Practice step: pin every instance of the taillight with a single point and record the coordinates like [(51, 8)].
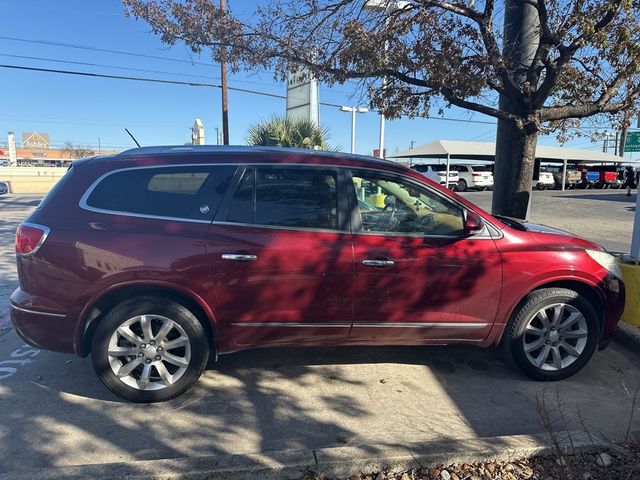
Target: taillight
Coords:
[(476, 174), (29, 238)]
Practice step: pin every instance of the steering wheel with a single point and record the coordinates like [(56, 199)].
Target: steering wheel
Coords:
[(426, 222), (380, 223)]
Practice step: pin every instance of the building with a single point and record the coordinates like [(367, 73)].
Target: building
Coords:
[(45, 157)]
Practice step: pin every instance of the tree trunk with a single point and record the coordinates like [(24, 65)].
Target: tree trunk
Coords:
[(515, 159), (516, 147)]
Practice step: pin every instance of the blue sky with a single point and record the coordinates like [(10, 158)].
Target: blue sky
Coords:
[(83, 110)]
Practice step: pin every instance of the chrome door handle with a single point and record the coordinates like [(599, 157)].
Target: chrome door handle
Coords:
[(378, 263), (236, 257)]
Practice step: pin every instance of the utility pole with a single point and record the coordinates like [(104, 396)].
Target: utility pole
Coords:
[(521, 40), (223, 74)]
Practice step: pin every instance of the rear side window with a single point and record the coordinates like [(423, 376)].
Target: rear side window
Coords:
[(298, 198), (193, 192)]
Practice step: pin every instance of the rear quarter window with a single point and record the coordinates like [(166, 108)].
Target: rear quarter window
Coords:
[(191, 192)]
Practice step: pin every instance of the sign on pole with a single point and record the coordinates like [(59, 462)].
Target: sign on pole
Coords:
[(302, 96), (11, 141), (197, 132), (633, 142)]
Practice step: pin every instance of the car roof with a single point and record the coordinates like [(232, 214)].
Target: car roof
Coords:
[(168, 151)]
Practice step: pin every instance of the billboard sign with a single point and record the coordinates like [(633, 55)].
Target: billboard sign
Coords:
[(302, 96), (35, 140)]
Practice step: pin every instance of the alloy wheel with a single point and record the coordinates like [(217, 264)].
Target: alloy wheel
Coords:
[(149, 352), (555, 337)]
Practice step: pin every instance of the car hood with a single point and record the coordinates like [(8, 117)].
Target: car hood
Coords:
[(549, 235)]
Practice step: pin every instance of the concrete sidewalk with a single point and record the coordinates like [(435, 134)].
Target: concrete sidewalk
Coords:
[(340, 462)]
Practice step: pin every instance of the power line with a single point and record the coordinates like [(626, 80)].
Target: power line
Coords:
[(70, 62), (142, 79), (96, 49), (201, 84)]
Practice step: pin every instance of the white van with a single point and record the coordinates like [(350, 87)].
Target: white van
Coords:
[(438, 173)]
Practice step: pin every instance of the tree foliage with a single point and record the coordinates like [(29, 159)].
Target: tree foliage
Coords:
[(285, 132), (438, 53)]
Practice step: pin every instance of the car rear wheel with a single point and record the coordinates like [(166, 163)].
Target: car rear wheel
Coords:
[(552, 335), (148, 349), (462, 185)]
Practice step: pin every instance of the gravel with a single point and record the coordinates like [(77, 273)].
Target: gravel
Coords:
[(622, 462)]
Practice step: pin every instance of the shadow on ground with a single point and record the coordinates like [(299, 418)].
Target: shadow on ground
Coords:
[(56, 412)]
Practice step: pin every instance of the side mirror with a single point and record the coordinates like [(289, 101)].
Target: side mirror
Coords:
[(473, 223)]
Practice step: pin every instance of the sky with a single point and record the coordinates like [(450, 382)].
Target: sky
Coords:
[(95, 111)]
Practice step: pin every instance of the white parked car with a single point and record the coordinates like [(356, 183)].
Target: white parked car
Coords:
[(544, 180), (474, 177), (438, 173)]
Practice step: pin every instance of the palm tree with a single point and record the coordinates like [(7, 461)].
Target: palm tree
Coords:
[(285, 132)]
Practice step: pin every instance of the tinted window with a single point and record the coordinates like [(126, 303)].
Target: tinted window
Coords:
[(302, 198), (182, 192), (240, 209), (404, 207)]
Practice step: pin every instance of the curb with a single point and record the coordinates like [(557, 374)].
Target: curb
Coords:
[(338, 462), (629, 336)]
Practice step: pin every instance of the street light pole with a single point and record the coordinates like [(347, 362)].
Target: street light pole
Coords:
[(353, 111), (386, 7), (225, 106)]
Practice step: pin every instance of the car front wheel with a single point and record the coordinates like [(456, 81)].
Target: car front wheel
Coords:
[(553, 334), (149, 349)]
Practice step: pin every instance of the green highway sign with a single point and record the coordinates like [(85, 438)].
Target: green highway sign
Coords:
[(633, 142)]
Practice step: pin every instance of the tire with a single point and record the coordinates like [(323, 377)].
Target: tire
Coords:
[(541, 186), (168, 371), (462, 185), (520, 336)]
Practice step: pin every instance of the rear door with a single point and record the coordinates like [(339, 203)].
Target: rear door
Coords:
[(282, 259)]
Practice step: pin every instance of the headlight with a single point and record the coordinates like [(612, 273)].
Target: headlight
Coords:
[(606, 260)]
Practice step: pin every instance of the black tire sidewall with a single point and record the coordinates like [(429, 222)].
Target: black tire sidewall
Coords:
[(462, 185), (513, 344), (152, 306)]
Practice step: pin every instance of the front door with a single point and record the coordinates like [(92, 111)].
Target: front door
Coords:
[(282, 260), (418, 277)]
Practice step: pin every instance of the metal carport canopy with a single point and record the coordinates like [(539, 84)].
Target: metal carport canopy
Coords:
[(455, 149)]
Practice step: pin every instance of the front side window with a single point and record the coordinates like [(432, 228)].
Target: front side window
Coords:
[(389, 205), (286, 197), (191, 192)]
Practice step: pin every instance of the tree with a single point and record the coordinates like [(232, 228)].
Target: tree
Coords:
[(77, 151), (284, 132), (582, 60)]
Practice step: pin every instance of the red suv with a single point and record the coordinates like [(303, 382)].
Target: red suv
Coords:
[(156, 259)]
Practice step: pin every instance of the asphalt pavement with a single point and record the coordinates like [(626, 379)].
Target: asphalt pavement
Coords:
[(55, 412)]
